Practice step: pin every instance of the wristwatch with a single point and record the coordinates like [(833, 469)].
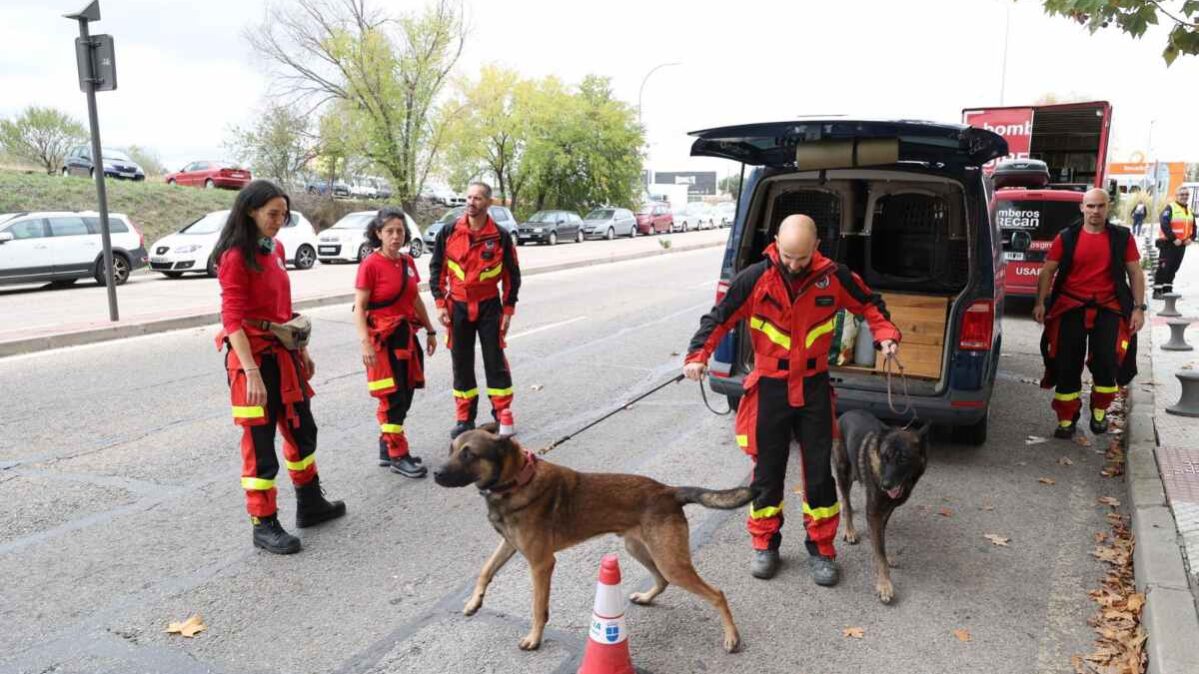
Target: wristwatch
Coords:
[(1143, 307)]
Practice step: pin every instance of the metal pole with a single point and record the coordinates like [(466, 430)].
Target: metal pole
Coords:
[(641, 90), (98, 170), (1003, 75)]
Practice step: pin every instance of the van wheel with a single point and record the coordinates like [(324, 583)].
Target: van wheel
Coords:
[(120, 269), (416, 248), (305, 257), (975, 434)]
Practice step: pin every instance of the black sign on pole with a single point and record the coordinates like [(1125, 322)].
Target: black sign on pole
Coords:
[(97, 72)]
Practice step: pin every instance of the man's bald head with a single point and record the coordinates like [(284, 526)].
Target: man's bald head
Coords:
[(797, 241), (1094, 208)]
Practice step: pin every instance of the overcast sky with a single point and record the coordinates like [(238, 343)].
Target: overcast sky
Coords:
[(186, 76)]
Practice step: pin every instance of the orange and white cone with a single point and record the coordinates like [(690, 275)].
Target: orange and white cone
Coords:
[(607, 650), (507, 425)]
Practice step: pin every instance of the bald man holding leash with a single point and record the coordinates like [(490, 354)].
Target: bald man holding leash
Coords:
[(790, 299)]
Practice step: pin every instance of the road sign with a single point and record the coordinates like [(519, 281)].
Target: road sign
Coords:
[(97, 62)]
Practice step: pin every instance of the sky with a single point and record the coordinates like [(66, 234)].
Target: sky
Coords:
[(186, 75)]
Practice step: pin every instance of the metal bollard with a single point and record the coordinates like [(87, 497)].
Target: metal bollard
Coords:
[(1170, 311), (1178, 342), (1188, 404)]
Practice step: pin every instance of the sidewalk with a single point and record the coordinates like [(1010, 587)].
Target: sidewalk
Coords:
[(1163, 484), (150, 303)]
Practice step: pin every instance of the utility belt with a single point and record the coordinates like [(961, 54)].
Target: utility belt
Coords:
[(394, 337), (292, 335)]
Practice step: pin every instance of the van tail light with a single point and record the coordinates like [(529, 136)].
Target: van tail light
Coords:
[(978, 324), (722, 289)]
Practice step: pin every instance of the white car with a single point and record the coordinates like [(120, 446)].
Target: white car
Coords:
[(442, 195), (61, 247), (346, 240), (695, 215), (726, 211), (190, 249), (363, 189)]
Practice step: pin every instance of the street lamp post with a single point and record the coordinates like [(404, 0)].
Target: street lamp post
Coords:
[(641, 90)]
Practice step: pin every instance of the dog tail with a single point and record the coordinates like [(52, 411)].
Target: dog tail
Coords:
[(723, 499)]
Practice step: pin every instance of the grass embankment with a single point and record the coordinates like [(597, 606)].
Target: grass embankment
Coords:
[(157, 208)]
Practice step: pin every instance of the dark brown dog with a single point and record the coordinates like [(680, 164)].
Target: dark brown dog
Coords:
[(888, 462), (540, 508)]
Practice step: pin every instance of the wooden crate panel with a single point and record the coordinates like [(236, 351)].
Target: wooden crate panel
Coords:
[(921, 320)]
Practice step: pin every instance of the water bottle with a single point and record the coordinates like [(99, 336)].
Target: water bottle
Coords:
[(863, 351)]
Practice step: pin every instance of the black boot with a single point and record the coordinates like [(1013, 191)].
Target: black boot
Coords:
[(311, 506), (409, 466), (270, 536), (460, 428), (384, 459)]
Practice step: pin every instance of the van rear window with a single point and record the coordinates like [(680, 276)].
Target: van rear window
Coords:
[(1042, 219)]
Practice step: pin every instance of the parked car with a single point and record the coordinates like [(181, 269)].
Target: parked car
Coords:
[(190, 249), (346, 240), (321, 187), (725, 212), (695, 215), (550, 227), (362, 188), (210, 174), (654, 218), (500, 214), (609, 223), (907, 210), (117, 164), (440, 194), (62, 247)]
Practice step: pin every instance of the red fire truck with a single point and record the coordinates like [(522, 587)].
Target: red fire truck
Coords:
[(1033, 202)]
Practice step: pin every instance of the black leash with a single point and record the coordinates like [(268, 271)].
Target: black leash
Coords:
[(891, 362), (704, 394), (659, 387)]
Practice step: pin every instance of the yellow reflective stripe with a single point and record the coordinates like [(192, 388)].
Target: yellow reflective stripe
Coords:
[(1066, 396), (1106, 389), (1124, 344), (822, 329), (1065, 423), (743, 441), (473, 393), (456, 269), (1099, 414), (774, 334), (768, 511), (497, 392), (251, 412), (491, 273), (257, 484), (821, 513), (302, 463), (391, 428), (380, 383)]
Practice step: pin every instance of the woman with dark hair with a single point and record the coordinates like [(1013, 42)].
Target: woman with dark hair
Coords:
[(268, 366), (388, 311)]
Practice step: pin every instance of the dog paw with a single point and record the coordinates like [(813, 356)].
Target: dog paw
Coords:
[(732, 642), (885, 591), (472, 606), (642, 598), (531, 642), (851, 536)]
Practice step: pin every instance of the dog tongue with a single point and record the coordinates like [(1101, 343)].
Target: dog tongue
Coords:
[(896, 492)]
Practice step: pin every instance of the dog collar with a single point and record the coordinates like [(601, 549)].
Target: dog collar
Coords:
[(524, 477)]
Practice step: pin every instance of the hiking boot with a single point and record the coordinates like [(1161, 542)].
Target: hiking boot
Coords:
[(824, 570), (460, 428), (1098, 426), (384, 459), (270, 536), (408, 466), (1065, 432), (764, 564), (311, 506)]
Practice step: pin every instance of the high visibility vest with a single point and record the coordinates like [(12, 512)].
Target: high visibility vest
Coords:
[(1182, 222)]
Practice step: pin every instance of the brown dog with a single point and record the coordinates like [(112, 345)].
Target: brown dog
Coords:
[(540, 508)]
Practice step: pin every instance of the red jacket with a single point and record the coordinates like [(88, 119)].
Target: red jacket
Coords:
[(469, 267), (791, 337)]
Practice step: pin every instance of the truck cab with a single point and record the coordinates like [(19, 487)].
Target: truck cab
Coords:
[(904, 205)]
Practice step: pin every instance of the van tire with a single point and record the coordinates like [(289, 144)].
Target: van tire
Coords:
[(975, 434), (120, 269)]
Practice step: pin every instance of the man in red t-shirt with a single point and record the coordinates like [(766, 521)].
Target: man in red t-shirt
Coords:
[(1090, 296)]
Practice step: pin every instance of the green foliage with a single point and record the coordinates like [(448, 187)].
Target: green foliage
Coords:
[(1134, 17), (147, 158), (41, 136), (732, 185), (277, 146)]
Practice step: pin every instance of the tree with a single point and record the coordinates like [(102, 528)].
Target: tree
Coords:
[(1135, 16), (41, 136), (278, 146), (147, 158), (732, 185), (387, 71)]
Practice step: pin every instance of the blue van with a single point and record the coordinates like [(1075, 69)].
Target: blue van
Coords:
[(905, 205)]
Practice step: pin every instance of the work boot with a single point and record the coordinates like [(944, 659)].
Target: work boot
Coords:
[(764, 564), (270, 536), (311, 506), (1098, 426), (1065, 432), (384, 459), (824, 570), (408, 466), (460, 428)]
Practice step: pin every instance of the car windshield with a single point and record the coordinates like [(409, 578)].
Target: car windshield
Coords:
[(600, 214), (209, 224), (116, 154), (452, 215), (354, 221), (544, 216)]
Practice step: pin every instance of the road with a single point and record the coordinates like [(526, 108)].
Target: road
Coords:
[(123, 512)]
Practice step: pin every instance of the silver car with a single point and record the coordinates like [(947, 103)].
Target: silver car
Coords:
[(501, 215), (609, 223)]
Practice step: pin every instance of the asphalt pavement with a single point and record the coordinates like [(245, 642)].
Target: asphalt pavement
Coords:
[(123, 512)]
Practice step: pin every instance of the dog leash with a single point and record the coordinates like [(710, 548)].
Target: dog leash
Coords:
[(890, 363), (625, 406), (704, 394)]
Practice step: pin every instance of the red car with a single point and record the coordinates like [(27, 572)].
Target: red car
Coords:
[(654, 218), (210, 174)]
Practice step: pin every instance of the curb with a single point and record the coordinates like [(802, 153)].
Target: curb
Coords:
[(1169, 615), (109, 333)]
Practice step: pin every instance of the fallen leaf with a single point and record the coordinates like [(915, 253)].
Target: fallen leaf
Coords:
[(997, 539), (1109, 501), (945, 512), (1082, 440), (537, 387), (674, 353), (1047, 480), (1065, 461), (853, 632), (1100, 536), (1078, 664), (1135, 601), (962, 634), (988, 508), (188, 628)]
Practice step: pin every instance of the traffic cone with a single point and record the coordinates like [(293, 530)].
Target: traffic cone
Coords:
[(607, 649), (507, 425)]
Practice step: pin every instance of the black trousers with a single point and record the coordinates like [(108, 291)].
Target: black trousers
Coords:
[(1169, 260), (260, 465), (486, 327)]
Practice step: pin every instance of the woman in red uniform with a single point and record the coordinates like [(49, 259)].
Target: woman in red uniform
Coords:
[(268, 381), (388, 311)]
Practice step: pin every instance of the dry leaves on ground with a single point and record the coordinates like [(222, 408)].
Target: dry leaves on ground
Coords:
[(853, 632), (962, 634), (1082, 440), (1047, 480), (997, 539), (1065, 461), (1113, 459), (1109, 501), (188, 628), (945, 512), (988, 508), (1120, 638)]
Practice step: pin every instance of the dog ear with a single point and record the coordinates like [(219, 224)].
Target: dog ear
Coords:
[(491, 427), (923, 432)]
